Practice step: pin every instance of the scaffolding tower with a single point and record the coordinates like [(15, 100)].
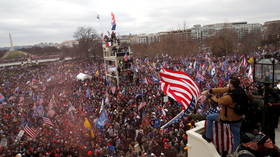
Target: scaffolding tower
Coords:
[(114, 54)]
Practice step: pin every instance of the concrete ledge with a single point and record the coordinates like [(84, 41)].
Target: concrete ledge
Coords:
[(197, 145)]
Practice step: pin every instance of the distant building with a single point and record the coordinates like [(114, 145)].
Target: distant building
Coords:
[(178, 34), (199, 32), (274, 30), (241, 28), (145, 38), (45, 44), (68, 43)]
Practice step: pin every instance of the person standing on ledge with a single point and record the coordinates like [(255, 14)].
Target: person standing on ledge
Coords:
[(232, 95)]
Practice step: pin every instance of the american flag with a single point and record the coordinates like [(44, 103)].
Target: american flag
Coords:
[(243, 62), (179, 86), (47, 121), (222, 137), (250, 74), (113, 21), (31, 131), (113, 18)]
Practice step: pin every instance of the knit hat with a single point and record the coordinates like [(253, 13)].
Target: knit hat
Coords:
[(261, 138)]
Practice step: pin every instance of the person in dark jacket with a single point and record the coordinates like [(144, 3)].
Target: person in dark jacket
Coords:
[(258, 145)]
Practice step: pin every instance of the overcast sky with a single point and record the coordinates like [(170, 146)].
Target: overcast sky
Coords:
[(35, 21)]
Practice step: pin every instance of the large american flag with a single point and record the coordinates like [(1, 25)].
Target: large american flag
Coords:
[(31, 131), (179, 86)]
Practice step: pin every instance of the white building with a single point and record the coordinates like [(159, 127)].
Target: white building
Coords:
[(241, 28), (145, 38), (199, 32)]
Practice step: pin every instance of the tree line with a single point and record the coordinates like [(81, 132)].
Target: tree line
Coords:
[(224, 42)]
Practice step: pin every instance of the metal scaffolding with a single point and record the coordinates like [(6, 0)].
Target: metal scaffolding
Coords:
[(113, 55)]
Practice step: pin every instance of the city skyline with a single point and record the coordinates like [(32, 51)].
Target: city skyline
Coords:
[(35, 21)]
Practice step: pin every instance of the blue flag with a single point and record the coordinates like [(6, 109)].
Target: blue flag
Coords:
[(2, 98), (155, 79), (88, 93), (114, 27), (102, 120), (156, 123)]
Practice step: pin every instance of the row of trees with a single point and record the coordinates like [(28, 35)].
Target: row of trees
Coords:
[(224, 42), (178, 47)]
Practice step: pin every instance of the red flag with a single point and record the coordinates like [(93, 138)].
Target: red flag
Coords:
[(113, 18)]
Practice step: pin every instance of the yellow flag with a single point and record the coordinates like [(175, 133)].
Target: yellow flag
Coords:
[(87, 125), (251, 60)]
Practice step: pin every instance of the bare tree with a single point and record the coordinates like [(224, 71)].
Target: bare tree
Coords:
[(249, 42), (223, 43), (272, 35), (88, 41)]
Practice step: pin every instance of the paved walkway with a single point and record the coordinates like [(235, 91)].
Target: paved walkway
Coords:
[(39, 61)]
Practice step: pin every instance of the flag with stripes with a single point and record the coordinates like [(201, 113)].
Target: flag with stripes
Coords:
[(47, 121), (32, 132), (250, 74), (113, 21), (179, 86), (244, 62), (222, 137)]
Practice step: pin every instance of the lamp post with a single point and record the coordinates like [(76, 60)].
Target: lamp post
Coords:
[(267, 71)]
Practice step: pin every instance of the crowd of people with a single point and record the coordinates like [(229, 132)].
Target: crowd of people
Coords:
[(134, 110)]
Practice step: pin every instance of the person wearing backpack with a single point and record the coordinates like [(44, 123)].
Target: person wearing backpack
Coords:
[(231, 109)]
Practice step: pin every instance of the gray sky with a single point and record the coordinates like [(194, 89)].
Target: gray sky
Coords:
[(34, 21)]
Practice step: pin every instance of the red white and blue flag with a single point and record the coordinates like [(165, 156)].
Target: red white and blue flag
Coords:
[(243, 62), (47, 121), (32, 132), (179, 86), (222, 137), (113, 21), (250, 74)]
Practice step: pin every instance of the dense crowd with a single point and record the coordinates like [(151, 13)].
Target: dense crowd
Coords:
[(135, 110)]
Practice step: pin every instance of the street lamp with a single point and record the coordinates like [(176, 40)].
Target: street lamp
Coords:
[(267, 70)]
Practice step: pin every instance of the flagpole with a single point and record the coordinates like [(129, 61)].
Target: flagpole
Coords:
[(182, 112)]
